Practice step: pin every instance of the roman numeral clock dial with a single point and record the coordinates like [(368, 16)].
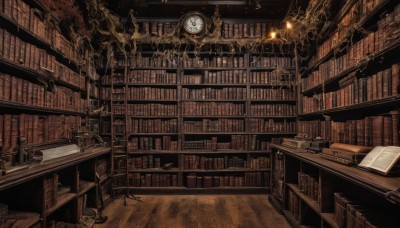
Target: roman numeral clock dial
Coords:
[(194, 23)]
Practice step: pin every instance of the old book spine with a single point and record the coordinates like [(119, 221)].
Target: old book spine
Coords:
[(395, 79), (395, 127)]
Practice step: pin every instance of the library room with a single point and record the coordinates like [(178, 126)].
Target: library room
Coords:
[(199, 113)]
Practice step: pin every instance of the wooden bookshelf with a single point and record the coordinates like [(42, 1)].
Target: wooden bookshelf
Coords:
[(18, 186), (360, 184), (224, 88)]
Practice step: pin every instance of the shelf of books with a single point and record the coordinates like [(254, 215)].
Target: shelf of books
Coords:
[(313, 191), (203, 123), (353, 96)]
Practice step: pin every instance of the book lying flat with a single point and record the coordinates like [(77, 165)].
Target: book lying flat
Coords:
[(381, 159)]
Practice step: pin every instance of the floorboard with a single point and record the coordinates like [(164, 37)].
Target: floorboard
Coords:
[(194, 211)]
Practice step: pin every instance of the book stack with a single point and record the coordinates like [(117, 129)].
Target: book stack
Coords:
[(153, 180), (309, 185), (151, 93), (293, 205), (230, 93), (213, 109), (214, 62), (145, 162), (150, 109), (368, 131), (272, 125), (272, 78), (259, 163), (214, 125), (246, 30), (271, 62), (153, 143), (152, 125), (154, 61), (224, 77), (152, 77), (272, 94), (272, 110), (51, 189)]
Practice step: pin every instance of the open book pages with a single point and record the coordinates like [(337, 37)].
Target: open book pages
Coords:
[(381, 159)]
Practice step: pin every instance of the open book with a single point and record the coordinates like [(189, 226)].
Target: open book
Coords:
[(381, 159)]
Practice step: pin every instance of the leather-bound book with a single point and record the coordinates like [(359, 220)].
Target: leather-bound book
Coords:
[(1, 129), (14, 131), (387, 131), (377, 127), (191, 181), (395, 79), (1, 85), (6, 87), (207, 182), (395, 128), (11, 56)]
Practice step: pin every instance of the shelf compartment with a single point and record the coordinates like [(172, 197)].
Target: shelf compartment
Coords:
[(61, 201), (39, 41), (86, 187), (40, 109), (392, 100), (392, 49)]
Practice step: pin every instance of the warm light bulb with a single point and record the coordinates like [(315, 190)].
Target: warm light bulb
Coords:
[(273, 35), (289, 25)]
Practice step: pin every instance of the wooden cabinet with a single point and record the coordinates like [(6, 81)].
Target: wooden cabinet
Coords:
[(56, 191), (311, 191)]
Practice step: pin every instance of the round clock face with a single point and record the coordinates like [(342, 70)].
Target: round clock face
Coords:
[(194, 24)]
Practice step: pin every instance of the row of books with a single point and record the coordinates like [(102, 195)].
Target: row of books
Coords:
[(272, 125), (247, 30), (153, 180), (357, 90), (355, 53), (250, 179), (272, 94), (93, 89), (309, 185), (214, 125), (360, 8), (151, 77), (214, 61), (153, 143), (368, 131), (271, 62), (24, 54), (152, 125), (152, 109), (144, 162), (293, 205), (234, 142), (227, 93), (356, 213), (50, 191), (272, 110), (35, 128), (213, 109), (22, 91), (371, 43), (271, 78), (153, 61), (29, 18), (195, 162), (224, 77), (151, 93)]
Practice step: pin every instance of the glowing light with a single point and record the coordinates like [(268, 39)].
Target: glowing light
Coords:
[(289, 25), (273, 35)]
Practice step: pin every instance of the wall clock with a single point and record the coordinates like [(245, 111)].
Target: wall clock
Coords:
[(194, 23)]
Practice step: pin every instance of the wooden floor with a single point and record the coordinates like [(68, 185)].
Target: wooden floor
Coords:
[(193, 211)]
